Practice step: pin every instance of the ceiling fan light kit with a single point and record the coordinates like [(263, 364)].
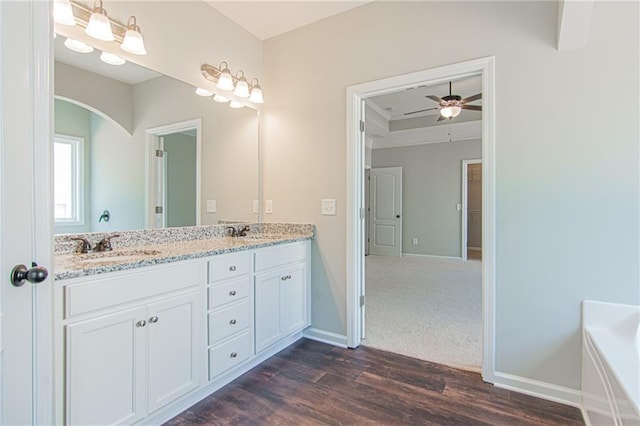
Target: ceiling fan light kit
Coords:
[(451, 106)]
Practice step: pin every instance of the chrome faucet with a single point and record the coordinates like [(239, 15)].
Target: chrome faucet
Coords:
[(105, 243), (240, 232), (85, 247)]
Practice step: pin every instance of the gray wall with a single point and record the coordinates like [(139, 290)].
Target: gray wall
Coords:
[(181, 179), (431, 188), (563, 165)]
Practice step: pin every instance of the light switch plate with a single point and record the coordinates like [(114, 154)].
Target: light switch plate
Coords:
[(211, 206), (329, 207), (255, 206), (268, 206)]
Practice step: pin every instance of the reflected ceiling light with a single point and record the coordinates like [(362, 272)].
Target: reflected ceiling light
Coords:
[(242, 87), (99, 25), (221, 99), (111, 59), (236, 104), (225, 81), (203, 92), (133, 42), (256, 92), (63, 13), (78, 46)]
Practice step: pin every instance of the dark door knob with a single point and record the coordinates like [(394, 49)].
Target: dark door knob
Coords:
[(398, 216), (35, 275)]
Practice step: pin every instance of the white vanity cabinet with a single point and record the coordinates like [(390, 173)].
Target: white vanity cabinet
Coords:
[(132, 347), (281, 293)]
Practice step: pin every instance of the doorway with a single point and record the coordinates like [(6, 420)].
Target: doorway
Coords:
[(355, 191), (471, 247)]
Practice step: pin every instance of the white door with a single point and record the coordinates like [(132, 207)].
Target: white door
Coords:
[(386, 211), (25, 213)]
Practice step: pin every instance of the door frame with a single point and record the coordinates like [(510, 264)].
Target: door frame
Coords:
[(355, 188), (465, 203), (152, 136)]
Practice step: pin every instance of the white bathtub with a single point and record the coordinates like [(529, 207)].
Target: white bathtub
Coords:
[(610, 363)]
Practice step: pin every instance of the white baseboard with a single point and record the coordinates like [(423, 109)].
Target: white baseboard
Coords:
[(544, 390), (328, 337), (474, 248), (432, 256)]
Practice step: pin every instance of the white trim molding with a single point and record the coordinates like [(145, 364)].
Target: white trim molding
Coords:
[(328, 337), (544, 390), (355, 204), (433, 256)]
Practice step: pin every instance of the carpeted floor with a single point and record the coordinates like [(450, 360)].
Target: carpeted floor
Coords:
[(426, 308)]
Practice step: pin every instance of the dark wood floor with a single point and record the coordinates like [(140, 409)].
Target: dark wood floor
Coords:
[(312, 383)]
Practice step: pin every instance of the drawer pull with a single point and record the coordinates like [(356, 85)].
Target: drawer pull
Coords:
[(232, 268), (233, 355), (232, 322), (232, 293), (153, 319), (141, 323)]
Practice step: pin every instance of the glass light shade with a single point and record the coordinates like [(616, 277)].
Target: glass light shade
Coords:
[(99, 26), (236, 104), (225, 81), (221, 99), (450, 111), (203, 92), (133, 43), (63, 13), (77, 46), (111, 59), (256, 95), (242, 89)]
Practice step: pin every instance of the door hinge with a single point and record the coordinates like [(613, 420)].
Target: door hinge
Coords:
[(159, 153), (361, 125), (362, 300), (158, 209)]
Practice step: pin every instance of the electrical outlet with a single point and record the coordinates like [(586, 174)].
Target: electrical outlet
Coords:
[(255, 206), (329, 207), (268, 206), (211, 206), (415, 242)]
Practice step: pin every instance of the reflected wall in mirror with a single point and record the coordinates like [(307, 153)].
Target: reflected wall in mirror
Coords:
[(111, 113)]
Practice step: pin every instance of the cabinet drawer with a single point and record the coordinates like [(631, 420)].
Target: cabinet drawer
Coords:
[(229, 292), (228, 321), (102, 293), (276, 256), (228, 355), (229, 267)]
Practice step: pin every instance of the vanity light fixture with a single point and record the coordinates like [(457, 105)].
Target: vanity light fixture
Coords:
[(63, 13), (78, 46), (224, 80), (256, 92), (221, 99), (236, 105), (99, 26), (111, 59), (133, 42), (203, 92), (242, 87)]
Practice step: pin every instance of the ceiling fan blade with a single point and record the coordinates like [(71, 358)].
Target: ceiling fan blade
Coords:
[(472, 98), (441, 118), (434, 98), (420, 110), (472, 107)]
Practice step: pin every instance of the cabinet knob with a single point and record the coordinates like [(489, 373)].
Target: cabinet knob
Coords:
[(232, 268), (232, 293), (286, 277), (232, 322), (233, 355), (153, 319), (141, 323)]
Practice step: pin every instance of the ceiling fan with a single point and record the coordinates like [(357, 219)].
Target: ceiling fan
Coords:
[(451, 105)]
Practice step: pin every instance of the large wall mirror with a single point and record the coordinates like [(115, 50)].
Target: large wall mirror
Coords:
[(135, 149)]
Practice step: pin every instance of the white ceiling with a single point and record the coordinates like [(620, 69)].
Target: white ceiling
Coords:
[(266, 19)]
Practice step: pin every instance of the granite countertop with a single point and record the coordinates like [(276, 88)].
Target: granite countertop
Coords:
[(72, 265)]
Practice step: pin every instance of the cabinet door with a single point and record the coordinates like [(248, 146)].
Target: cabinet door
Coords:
[(171, 350), (294, 299), (268, 320), (105, 369)]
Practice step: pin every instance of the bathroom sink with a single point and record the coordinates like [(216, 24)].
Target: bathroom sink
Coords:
[(117, 256)]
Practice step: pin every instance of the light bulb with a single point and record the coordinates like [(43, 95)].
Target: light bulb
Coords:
[(203, 92), (111, 59), (63, 13), (256, 95), (225, 81), (236, 104), (242, 87), (450, 111), (133, 41), (99, 26), (78, 46), (221, 99)]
